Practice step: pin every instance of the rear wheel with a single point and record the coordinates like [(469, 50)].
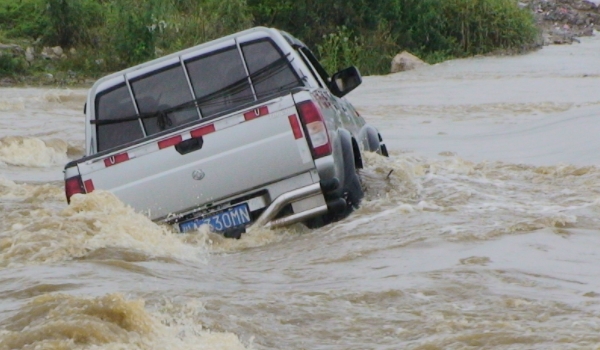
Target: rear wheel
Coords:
[(351, 191)]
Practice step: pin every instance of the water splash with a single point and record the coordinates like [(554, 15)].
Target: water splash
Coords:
[(254, 238), (15, 104), (58, 321), (63, 96), (32, 151), (92, 222)]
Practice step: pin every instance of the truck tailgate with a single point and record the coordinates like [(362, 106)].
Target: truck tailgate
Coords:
[(205, 162)]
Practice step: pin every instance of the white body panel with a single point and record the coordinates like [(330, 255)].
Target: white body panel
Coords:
[(234, 160)]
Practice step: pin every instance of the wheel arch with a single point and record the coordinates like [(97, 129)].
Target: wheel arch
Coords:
[(369, 137), (372, 141)]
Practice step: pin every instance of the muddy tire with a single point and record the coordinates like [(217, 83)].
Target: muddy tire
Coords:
[(352, 189), (352, 192)]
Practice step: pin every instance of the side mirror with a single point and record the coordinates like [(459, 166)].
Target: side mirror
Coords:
[(345, 81)]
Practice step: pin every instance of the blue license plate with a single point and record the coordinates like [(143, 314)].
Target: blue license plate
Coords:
[(230, 218)]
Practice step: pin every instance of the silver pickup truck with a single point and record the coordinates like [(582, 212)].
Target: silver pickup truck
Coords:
[(245, 130)]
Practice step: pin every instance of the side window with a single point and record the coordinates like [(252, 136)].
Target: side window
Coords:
[(269, 70), (219, 81), (315, 63), (313, 72), (116, 104), (160, 92)]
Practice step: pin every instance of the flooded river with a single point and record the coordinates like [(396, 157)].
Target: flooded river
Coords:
[(481, 231)]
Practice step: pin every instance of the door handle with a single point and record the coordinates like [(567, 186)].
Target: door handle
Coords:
[(190, 145)]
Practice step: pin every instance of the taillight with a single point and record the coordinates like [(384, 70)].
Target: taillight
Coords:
[(315, 127), (73, 185)]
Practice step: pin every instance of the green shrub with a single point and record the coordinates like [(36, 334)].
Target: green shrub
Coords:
[(71, 22), (113, 34), (10, 66), (138, 30), (378, 49), (128, 37), (377, 30), (184, 23), (482, 26), (55, 22), (22, 18), (339, 50)]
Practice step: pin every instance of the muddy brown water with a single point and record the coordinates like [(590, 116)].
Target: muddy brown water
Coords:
[(481, 231)]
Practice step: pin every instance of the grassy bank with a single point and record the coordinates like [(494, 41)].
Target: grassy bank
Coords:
[(101, 36)]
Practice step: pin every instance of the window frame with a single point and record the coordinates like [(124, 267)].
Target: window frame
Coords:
[(138, 77), (281, 54), (127, 78)]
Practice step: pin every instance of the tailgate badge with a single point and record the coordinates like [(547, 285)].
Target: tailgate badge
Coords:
[(198, 174)]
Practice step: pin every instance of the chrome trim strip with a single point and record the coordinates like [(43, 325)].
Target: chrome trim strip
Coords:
[(285, 199), (292, 219)]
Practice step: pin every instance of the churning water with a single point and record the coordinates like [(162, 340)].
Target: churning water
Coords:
[(482, 230)]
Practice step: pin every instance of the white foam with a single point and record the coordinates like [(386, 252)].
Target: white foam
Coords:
[(33, 152)]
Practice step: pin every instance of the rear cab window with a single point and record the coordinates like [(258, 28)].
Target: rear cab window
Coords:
[(191, 89), (116, 107)]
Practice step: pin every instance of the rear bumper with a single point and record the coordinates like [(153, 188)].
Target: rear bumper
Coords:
[(310, 201), (288, 208), (267, 218)]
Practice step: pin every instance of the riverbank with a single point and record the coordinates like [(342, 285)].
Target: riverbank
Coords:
[(66, 42), (564, 21), (29, 63)]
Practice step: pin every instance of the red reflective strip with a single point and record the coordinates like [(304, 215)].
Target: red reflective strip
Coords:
[(257, 112), (89, 185), (172, 141), (116, 159), (295, 126), (203, 130)]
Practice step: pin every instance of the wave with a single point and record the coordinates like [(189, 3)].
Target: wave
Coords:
[(63, 96), (33, 152), (401, 190), (59, 321), (11, 192), (12, 104), (90, 225), (479, 201)]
